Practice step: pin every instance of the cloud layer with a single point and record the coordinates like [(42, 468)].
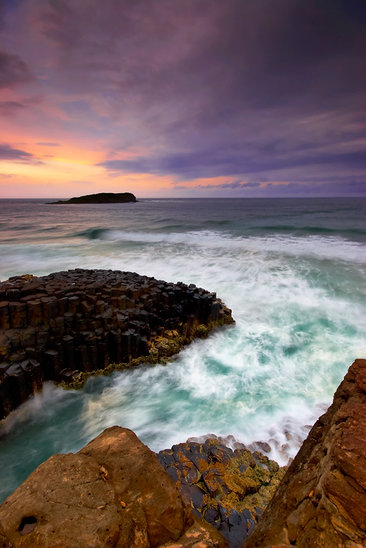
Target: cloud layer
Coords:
[(272, 90)]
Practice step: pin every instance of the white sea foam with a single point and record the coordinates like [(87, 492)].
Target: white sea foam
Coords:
[(323, 247), (42, 258)]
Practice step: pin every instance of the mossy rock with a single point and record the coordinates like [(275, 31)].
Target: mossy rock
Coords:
[(235, 480)]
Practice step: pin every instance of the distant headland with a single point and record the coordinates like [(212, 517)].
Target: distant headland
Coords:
[(101, 198)]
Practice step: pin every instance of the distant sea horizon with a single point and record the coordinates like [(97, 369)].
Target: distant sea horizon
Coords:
[(291, 269), (298, 197)]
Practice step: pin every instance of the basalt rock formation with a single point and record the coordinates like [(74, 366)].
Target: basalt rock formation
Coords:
[(101, 198), (228, 488), (113, 492), (321, 501), (69, 325)]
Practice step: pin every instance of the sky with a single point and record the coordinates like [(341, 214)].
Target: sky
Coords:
[(183, 98)]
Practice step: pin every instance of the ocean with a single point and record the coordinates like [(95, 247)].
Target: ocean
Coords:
[(293, 273)]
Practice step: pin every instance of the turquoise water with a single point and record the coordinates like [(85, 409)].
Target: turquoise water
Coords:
[(293, 272)]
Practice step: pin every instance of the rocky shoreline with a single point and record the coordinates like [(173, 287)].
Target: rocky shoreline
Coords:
[(70, 325), (115, 492)]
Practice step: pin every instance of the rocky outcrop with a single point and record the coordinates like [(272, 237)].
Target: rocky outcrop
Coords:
[(321, 501), (113, 492), (228, 488), (101, 198), (70, 325)]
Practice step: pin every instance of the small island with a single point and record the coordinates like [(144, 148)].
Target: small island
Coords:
[(101, 198)]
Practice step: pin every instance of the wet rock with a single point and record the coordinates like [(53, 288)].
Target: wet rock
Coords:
[(113, 492), (4, 315), (322, 499), (18, 387), (129, 319), (262, 446), (18, 315), (228, 488)]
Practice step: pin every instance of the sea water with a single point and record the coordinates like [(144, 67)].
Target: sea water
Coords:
[(293, 273)]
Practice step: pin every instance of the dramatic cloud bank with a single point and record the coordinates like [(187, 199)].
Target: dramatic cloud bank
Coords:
[(194, 97)]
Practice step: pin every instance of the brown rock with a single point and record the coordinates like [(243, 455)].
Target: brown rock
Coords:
[(4, 315), (113, 492), (157, 501), (321, 501), (18, 315), (199, 535)]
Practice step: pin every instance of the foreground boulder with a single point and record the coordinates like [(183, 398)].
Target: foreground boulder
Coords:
[(113, 492), (321, 501), (69, 325)]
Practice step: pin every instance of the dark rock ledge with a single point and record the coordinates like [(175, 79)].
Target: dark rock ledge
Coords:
[(69, 325)]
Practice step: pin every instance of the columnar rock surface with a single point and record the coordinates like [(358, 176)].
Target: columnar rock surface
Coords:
[(321, 501), (66, 325), (228, 488), (113, 492)]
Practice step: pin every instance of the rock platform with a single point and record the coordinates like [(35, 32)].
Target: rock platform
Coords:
[(69, 325)]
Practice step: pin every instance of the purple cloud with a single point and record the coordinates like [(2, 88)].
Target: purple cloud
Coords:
[(48, 144), (9, 153), (272, 90), (8, 108), (13, 70), (211, 163)]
